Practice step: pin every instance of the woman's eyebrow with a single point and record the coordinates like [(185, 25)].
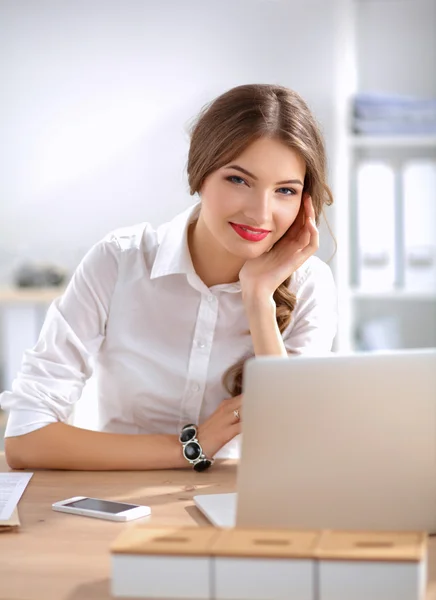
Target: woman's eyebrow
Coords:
[(238, 168)]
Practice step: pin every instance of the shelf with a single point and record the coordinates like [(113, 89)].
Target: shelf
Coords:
[(394, 295), (393, 141), (14, 295)]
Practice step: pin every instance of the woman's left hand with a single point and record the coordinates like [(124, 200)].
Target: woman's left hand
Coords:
[(268, 271)]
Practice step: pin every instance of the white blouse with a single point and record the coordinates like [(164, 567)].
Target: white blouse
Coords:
[(157, 337)]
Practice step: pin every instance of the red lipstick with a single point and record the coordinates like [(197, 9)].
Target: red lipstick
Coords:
[(251, 234)]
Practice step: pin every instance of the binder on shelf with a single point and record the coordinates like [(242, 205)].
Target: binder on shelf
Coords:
[(376, 226), (419, 231)]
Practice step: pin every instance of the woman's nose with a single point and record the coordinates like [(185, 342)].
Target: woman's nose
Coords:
[(259, 209)]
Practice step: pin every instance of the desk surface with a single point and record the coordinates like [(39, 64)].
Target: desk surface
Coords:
[(56, 556)]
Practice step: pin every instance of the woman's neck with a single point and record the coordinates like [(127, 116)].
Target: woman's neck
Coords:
[(212, 263)]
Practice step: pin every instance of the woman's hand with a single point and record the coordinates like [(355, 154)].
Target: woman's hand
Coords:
[(221, 427), (268, 271)]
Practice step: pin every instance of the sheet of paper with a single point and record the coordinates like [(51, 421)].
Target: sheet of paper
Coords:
[(12, 486)]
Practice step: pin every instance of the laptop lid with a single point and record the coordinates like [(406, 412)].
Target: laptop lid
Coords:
[(344, 442)]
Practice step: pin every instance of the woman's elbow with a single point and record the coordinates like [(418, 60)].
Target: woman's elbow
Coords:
[(33, 450), (24, 451), (13, 452)]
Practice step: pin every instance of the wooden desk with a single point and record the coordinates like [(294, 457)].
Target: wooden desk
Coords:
[(56, 556)]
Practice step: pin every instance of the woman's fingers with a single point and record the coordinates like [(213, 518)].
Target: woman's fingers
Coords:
[(237, 415), (314, 235), (235, 429), (298, 224), (308, 238), (235, 409), (310, 209), (298, 231), (301, 217), (221, 426)]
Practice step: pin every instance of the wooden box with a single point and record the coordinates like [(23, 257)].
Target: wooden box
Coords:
[(207, 563), (264, 565), (163, 563), (372, 566)]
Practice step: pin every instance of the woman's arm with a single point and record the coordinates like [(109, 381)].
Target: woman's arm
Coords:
[(314, 320), (61, 446), (315, 317), (265, 333), (54, 372)]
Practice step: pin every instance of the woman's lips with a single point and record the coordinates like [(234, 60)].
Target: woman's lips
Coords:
[(251, 234)]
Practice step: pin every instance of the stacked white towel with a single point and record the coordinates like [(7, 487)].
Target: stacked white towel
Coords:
[(390, 114)]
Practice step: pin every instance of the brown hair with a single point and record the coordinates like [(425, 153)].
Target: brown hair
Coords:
[(226, 127)]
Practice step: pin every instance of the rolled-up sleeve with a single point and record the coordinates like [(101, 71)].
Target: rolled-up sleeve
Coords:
[(54, 372), (315, 318)]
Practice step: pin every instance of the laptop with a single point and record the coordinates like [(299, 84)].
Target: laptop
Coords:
[(340, 442)]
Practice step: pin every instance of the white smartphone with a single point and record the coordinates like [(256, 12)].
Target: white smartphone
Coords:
[(101, 509)]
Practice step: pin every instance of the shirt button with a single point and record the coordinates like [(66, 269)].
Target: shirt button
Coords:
[(195, 387), (201, 344), (210, 298)]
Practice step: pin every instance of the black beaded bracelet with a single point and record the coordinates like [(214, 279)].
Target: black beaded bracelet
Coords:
[(192, 450)]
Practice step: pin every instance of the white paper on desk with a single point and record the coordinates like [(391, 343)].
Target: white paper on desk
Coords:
[(12, 486)]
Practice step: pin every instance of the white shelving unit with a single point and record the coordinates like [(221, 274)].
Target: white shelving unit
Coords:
[(396, 296), (373, 25), (414, 312), (392, 141)]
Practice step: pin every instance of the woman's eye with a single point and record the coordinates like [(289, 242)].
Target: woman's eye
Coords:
[(286, 191), (235, 179), (239, 181)]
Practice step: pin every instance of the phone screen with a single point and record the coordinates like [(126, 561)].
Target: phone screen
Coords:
[(101, 505)]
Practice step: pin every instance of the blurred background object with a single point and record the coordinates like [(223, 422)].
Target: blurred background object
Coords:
[(36, 275), (389, 114)]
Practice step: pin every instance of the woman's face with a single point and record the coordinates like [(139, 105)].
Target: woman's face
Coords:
[(261, 189)]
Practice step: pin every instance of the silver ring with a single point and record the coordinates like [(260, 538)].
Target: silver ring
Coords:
[(237, 415)]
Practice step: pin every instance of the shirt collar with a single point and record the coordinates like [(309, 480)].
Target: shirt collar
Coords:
[(173, 256)]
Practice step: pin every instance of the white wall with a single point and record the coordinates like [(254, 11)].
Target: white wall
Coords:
[(397, 46), (97, 95)]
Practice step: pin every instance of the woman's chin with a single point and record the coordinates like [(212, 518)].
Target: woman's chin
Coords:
[(248, 252)]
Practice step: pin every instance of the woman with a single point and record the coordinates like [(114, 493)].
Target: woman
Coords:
[(169, 316)]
